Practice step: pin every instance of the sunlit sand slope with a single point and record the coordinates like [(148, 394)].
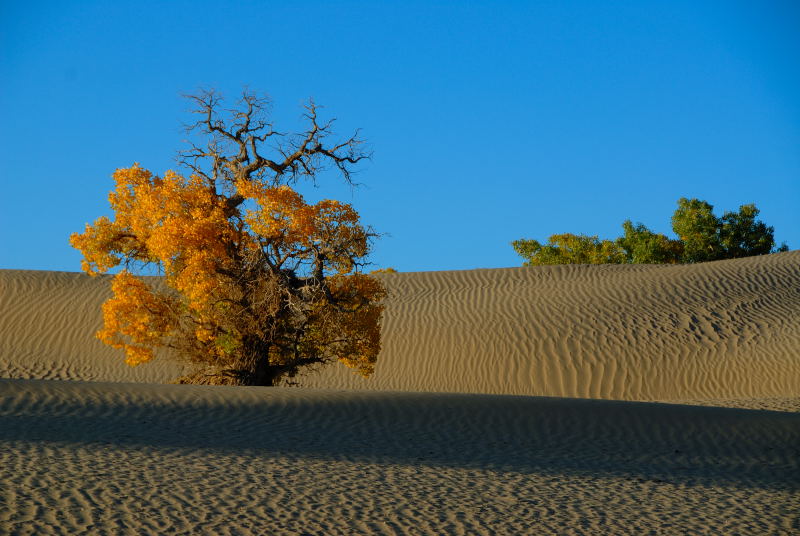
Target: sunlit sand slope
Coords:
[(728, 329), (714, 330), (47, 326), (100, 458)]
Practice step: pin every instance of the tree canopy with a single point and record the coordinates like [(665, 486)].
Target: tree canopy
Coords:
[(569, 249), (702, 236), (260, 283), (643, 246)]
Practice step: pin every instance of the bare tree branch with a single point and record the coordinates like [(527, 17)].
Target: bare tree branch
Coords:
[(237, 147)]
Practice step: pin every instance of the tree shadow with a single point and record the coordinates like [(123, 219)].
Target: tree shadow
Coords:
[(648, 441)]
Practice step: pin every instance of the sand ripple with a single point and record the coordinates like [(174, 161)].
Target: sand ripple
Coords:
[(728, 329), (123, 458)]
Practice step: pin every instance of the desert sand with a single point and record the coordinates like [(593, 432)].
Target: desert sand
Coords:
[(552, 400)]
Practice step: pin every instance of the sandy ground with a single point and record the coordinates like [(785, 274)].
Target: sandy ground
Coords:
[(727, 329), (436, 442), (93, 458)]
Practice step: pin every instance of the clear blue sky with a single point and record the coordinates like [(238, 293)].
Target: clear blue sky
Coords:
[(489, 121)]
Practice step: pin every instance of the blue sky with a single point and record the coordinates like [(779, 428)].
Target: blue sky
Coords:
[(489, 121)]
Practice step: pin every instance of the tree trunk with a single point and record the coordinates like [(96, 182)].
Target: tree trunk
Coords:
[(264, 373)]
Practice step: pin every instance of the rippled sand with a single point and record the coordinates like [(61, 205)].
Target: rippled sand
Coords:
[(434, 443)]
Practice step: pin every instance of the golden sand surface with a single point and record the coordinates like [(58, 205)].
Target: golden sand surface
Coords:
[(106, 458), (554, 400), (727, 329)]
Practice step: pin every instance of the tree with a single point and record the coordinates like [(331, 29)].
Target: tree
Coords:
[(736, 234), (643, 246), (741, 235), (702, 236), (569, 249), (260, 283), (698, 229)]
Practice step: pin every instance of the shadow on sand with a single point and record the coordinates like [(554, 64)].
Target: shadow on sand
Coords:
[(658, 442)]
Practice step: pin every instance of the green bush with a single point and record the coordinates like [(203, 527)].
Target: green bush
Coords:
[(702, 236)]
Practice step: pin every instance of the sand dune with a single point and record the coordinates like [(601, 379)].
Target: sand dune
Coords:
[(114, 452), (47, 326), (723, 329), (90, 458), (728, 329)]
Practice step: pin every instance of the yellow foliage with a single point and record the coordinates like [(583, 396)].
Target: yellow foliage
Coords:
[(216, 259), (388, 270), (360, 328), (136, 319), (97, 244), (283, 217)]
